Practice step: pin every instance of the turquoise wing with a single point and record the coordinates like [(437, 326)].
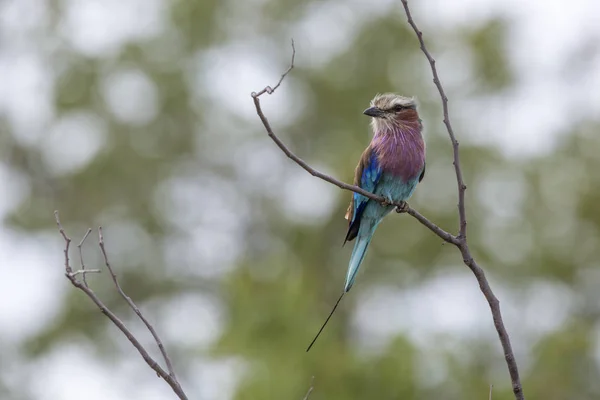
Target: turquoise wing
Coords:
[(367, 175)]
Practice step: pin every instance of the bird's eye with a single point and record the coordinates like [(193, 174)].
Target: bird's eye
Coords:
[(398, 108)]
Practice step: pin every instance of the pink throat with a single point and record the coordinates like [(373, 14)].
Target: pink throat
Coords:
[(401, 150)]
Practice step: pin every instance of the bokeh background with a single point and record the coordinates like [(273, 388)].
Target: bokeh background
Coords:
[(136, 115)]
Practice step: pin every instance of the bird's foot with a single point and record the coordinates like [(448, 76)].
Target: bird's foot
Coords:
[(387, 201), (402, 208)]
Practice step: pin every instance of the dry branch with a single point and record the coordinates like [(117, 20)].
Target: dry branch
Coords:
[(310, 388), (82, 285), (462, 232)]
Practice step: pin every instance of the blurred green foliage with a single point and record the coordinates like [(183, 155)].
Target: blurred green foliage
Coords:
[(288, 273)]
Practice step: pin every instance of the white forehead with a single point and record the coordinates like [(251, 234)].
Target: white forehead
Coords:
[(389, 100)]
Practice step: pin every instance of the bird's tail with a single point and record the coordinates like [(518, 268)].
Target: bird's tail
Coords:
[(363, 239)]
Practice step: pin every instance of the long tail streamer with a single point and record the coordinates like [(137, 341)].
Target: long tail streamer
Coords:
[(326, 321)]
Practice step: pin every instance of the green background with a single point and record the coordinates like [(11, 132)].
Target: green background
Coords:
[(234, 252)]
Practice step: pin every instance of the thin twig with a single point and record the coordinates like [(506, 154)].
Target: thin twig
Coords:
[(135, 308), (460, 240), (67, 239), (462, 233), (113, 318), (490, 396), (83, 271), (310, 389), (270, 90)]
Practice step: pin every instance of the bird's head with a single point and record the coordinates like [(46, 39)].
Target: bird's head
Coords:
[(390, 109)]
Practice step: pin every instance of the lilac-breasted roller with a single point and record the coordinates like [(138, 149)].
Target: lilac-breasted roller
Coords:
[(391, 167)]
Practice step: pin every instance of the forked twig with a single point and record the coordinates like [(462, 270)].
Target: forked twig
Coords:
[(270, 90), (83, 286), (82, 270)]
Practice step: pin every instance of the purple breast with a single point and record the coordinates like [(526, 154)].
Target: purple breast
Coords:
[(401, 152)]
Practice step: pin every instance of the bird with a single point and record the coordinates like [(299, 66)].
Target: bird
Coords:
[(390, 167)]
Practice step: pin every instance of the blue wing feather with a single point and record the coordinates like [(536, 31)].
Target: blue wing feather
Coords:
[(370, 176), (367, 176)]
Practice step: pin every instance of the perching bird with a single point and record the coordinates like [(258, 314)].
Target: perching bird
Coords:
[(390, 167)]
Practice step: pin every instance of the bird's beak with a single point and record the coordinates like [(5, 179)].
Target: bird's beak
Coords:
[(373, 112)]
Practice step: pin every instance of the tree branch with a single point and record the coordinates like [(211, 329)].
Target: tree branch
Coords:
[(462, 233), (82, 285), (134, 307), (310, 389), (460, 240)]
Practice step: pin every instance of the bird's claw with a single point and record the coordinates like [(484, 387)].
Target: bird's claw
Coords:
[(402, 208), (387, 202)]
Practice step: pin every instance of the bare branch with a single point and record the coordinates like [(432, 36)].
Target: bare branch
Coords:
[(171, 380), (462, 234), (494, 304), (310, 389), (270, 90), (67, 245), (83, 271), (135, 308)]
